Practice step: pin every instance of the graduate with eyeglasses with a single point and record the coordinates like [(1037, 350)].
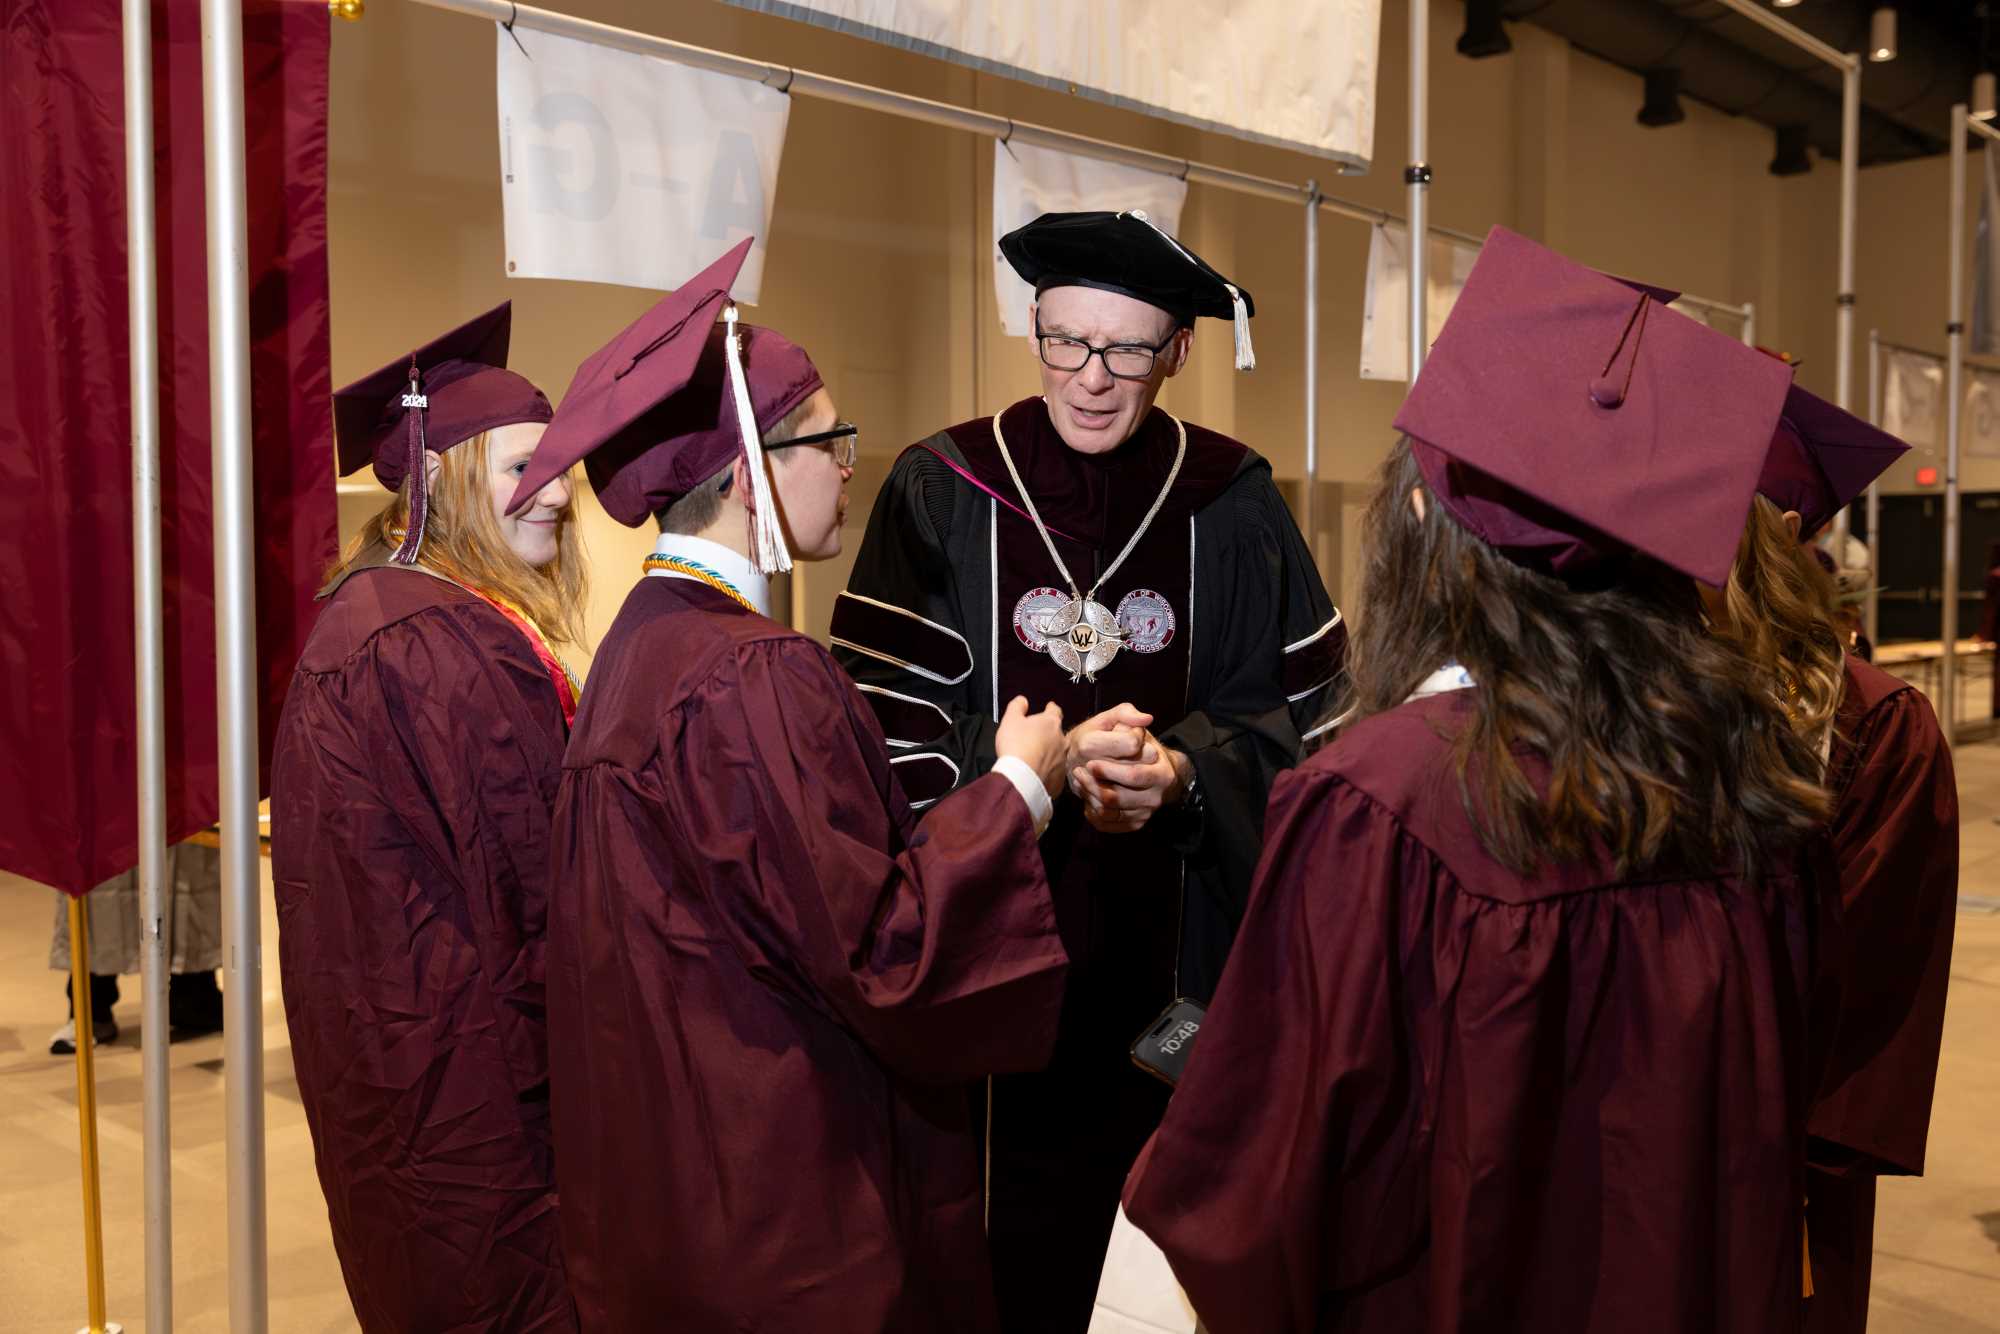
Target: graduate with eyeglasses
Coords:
[(1087, 546), (769, 985)]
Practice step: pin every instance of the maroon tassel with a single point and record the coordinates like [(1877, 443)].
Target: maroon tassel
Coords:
[(417, 477)]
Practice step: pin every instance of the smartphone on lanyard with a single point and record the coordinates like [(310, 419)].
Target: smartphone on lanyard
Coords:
[(1162, 1050)]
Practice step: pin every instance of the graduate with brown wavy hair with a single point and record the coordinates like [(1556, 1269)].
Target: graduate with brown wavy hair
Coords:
[(414, 768), (1894, 829), (1514, 1034)]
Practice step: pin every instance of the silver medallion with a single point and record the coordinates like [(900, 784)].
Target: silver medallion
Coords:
[(1083, 636)]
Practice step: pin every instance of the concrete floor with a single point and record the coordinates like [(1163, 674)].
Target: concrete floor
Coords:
[(1937, 1266)]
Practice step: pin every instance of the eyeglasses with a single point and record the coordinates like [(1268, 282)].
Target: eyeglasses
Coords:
[(1124, 361), (843, 441)]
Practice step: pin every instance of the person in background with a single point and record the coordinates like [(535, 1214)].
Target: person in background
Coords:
[(1895, 841), (1989, 618), (415, 763), (1514, 1036), (1088, 546), (194, 946), (768, 983)]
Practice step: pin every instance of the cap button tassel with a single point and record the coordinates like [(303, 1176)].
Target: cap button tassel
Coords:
[(416, 476)]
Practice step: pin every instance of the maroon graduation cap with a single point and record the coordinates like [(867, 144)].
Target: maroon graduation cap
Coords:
[(671, 400), (1822, 457), (1570, 419), (442, 394)]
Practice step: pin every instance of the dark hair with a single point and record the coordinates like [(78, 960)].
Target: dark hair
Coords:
[(1664, 747)]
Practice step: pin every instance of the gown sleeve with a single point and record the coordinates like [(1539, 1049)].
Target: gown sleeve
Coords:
[(934, 944), (1292, 1161), (463, 696), (1895, 837), (1270, 676), (898, 632)]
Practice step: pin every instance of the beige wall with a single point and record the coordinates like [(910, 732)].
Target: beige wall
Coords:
[(879, 249)]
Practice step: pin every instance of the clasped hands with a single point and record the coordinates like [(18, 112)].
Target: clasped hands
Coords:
[(1121, 771)]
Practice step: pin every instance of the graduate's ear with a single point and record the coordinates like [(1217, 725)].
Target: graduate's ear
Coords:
[(1177, 351), (433, 465), (1417, 502), (1792, 523), (739, 484)]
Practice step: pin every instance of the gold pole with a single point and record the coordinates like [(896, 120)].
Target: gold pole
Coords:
[(351, 10), (86, 1110)]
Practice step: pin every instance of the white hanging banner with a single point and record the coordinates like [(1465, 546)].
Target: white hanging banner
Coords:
[(1724, 321), (1913, 399), (1028, 182), (1981, 419), (1385, 310), (1137, 1292), (1271, 71), (622, 168)]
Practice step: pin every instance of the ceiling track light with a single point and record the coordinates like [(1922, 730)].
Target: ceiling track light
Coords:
[(1882, 35), (1791, 159), (1484, 34), (1785, 4)]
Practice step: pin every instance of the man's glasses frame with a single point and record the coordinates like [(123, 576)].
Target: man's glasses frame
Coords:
[(843, 439), (1066, 349)]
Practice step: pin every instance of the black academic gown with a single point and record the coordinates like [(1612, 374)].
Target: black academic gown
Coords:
[(1237, 653)]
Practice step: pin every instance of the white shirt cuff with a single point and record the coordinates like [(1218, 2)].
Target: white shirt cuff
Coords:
[(1016, 771)]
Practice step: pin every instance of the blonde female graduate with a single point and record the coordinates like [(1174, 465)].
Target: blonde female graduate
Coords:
[(1894, 830), (415, 765)]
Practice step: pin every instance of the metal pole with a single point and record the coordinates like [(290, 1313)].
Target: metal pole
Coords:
[(1843, 353), (1954, 359), (235, 678), (1872, 605), (1750, 323), (149, 662), (1309, 508), (1797, 36), (1417, 177), (85, 1016), (805, 83)]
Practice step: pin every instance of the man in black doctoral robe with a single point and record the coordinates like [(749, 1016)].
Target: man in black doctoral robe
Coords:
[(1144, 573)]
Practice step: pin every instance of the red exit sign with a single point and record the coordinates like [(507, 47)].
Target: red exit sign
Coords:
[(1927, 477)]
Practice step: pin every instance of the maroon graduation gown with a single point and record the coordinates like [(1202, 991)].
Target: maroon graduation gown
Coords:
[(1895, 837), (413, 772), (1236, 652), (768, 988), (1433, 1095)]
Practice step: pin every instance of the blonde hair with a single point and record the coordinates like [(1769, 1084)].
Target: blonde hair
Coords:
[(1780, 606), (462, 542)]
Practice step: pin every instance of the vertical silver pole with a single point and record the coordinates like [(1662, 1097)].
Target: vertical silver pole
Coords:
[(1750, 323), (1843, 353), (1417, 176), (1954, 361), (1873, 604), (235, 681), (1309, 509), (148, 660)]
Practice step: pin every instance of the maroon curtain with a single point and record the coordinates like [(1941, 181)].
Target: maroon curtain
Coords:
[(68, 784)]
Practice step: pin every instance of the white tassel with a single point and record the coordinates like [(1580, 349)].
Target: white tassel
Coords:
[(767, 537), (1246, 355)]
